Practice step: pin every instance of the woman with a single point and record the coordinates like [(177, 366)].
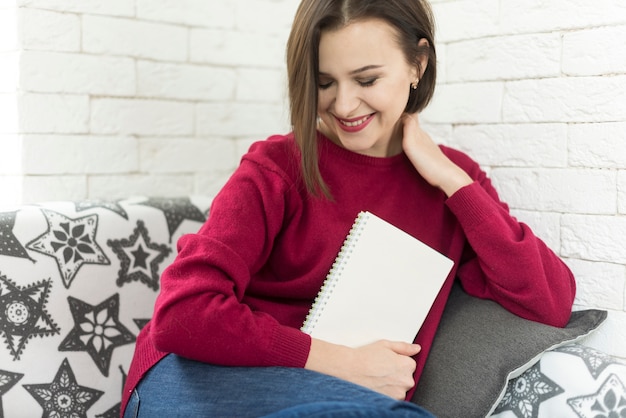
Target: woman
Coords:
[(225, 340)]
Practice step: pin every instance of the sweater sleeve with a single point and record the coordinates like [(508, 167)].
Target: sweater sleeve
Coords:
[(199, 313), (504, 260)]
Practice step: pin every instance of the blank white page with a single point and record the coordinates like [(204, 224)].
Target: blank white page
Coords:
[(381, 286)]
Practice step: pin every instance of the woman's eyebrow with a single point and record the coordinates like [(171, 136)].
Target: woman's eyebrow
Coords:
[(357, 71)]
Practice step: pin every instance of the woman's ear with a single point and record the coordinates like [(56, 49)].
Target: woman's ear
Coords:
[(422, 59)]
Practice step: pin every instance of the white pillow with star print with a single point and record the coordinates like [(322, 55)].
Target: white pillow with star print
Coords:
[(78, 281), (571, 381)]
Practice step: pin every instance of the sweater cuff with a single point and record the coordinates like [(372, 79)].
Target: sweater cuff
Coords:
[(472, 205), (291, 347)]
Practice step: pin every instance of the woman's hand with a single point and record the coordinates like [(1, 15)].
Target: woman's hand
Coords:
[(429, 160), (383, 366)]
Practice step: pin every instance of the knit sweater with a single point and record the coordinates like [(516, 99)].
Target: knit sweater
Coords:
[(240, 288)]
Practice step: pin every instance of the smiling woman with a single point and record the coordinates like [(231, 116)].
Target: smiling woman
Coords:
[(365, 82), (227, 322), (409, 29)]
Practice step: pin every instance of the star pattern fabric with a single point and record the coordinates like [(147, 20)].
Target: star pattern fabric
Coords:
[(72, 242), (97, 330), (525, 393), (608, 402), (141, 322), (105, 204), (115, 411), (176, 211), (9, 244), (23, 314), (596, 361), (7, 381), (57, 277), (64, 397), (139, 257)]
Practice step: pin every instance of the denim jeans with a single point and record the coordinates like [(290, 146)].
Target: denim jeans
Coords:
[(177, 387)]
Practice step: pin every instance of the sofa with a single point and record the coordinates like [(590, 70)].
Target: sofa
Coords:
[(78, 281)]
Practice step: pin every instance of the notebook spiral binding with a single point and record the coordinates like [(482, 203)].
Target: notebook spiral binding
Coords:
[(334, 274)]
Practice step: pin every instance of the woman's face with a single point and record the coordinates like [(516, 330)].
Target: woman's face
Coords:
[(364, 86)]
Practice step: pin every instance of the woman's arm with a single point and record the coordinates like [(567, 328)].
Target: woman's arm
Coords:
[(200, 312), (504, 260)]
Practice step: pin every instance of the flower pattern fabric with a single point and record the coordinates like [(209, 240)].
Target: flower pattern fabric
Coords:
[(71, 241), (97, 330)]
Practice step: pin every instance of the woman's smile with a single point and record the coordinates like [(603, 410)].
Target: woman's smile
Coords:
[(355, 124)]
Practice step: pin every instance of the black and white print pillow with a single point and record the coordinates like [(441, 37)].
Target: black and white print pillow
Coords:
[(78, 281), (571, 381)]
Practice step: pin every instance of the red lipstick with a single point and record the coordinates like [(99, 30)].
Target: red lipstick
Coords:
[(355, 124)]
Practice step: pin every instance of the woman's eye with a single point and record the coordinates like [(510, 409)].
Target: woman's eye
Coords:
[(367, 83), (324, 86)]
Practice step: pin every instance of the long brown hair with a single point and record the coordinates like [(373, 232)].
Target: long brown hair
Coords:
[(412, 19)]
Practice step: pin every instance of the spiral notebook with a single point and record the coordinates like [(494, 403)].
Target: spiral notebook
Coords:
[(381, 286)]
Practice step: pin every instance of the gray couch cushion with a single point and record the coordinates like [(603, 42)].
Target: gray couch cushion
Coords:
[(480, 346)]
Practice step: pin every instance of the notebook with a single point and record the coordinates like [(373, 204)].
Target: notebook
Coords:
[(381, 286)]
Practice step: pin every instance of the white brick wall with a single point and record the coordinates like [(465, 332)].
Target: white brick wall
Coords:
[(135, 38), (107, 99), (8, 29), (621, 191), (119, 97), (535, 90), (48, 30)]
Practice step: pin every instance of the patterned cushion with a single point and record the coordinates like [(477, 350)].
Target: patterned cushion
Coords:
[(572, 381), (77, 282)]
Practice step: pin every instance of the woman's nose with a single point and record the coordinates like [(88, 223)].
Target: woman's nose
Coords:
[(346, 101)]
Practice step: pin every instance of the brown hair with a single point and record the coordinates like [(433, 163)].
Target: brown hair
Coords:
[(412, 19)]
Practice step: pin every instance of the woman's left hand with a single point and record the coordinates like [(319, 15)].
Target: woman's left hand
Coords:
[(428, 159)]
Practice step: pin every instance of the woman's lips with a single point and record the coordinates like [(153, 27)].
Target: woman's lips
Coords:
[(355, 124)]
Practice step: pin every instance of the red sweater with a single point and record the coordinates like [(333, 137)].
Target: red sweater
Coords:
[(241, 287)]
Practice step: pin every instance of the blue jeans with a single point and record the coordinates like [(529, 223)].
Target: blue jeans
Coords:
[(177, 387)]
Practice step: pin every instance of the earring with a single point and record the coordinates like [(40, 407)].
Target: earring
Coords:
[(414, 84)]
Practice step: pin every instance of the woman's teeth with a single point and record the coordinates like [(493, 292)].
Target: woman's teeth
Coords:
[(356, 122)]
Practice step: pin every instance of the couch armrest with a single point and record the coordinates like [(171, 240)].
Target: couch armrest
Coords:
[(78, 280)]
